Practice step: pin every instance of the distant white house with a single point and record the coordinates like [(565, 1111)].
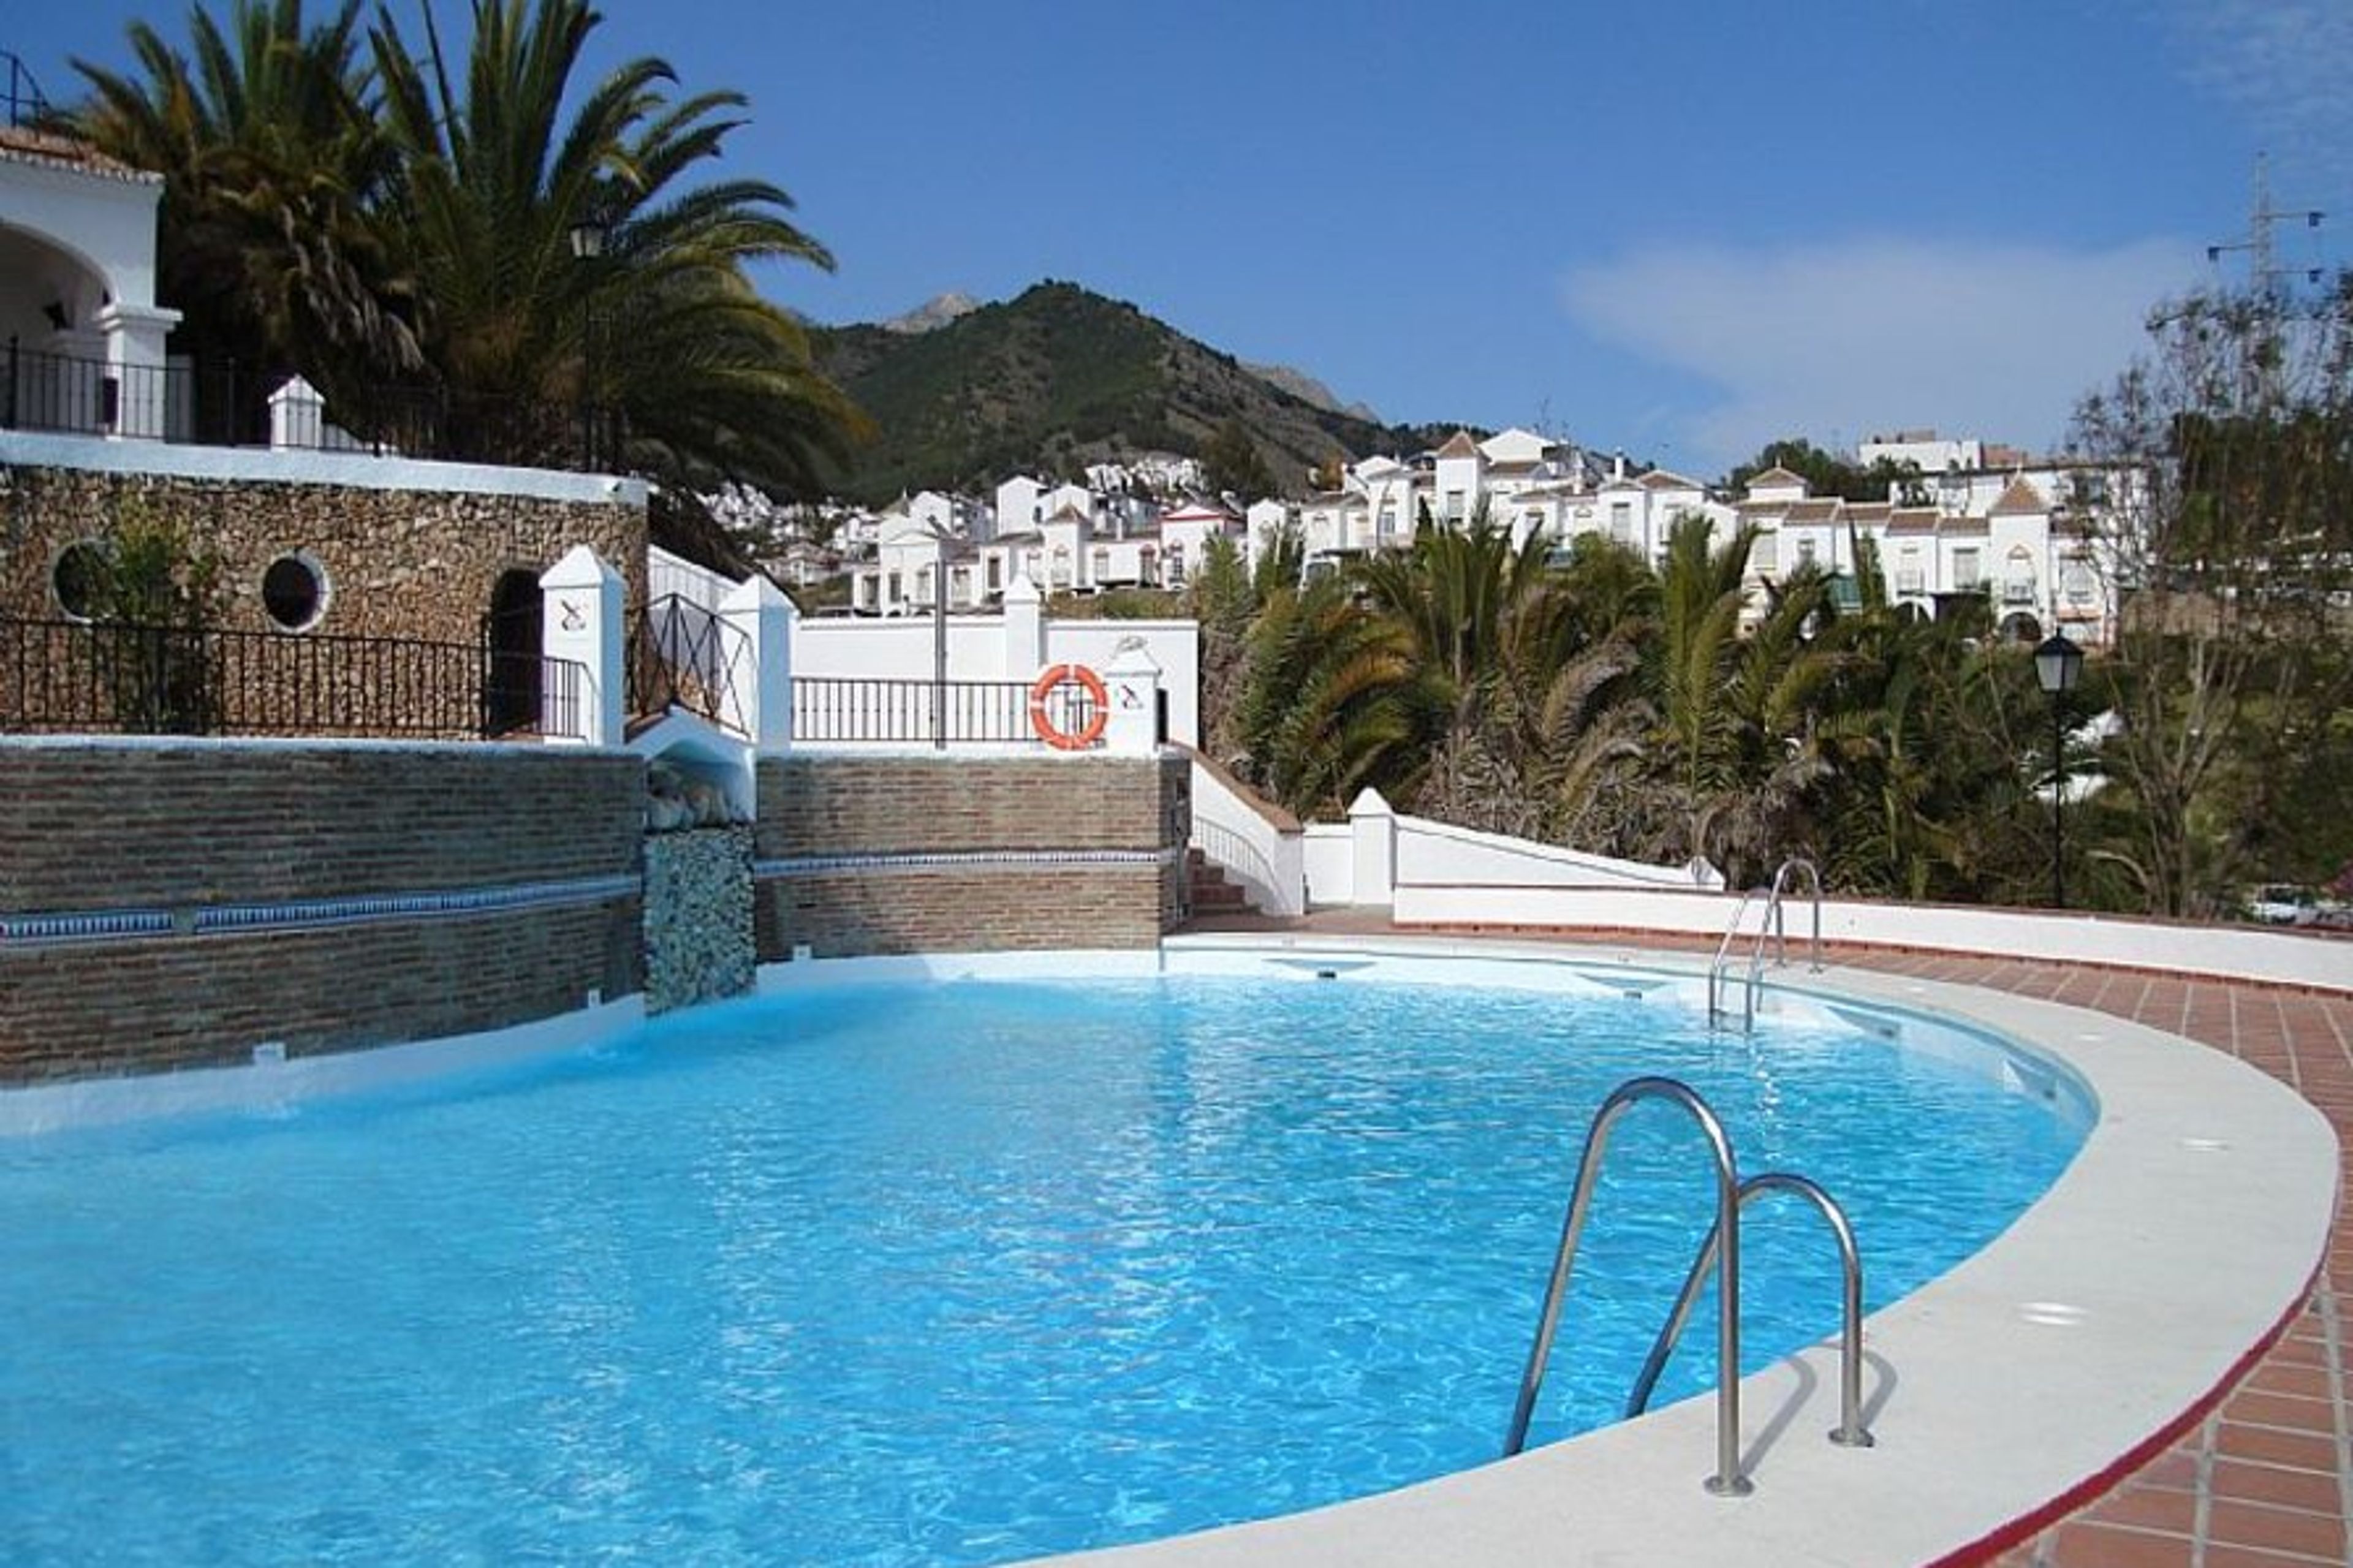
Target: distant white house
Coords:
[(1064, 538)]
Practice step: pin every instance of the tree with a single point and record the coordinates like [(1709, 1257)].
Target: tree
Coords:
[(1924, 729), (401, 231), (1737, 715), (150, 593), (267, 137), (714, 381), (2230, 538), (1481, 614), (1232, 465), (1329, 706), (1826, 474)]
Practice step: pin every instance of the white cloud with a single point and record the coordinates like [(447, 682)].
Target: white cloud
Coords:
[(1843, 339), (2282, 65)]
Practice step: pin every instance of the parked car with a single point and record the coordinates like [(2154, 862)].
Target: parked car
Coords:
[(2284, 904)]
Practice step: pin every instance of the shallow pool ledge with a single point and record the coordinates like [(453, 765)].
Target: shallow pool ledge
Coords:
[(2178, 1244)]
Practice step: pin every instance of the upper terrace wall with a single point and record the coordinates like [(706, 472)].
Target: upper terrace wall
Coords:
[(406, 549), (169, 904)]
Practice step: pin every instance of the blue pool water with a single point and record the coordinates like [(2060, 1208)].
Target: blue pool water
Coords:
[(953, 1273)]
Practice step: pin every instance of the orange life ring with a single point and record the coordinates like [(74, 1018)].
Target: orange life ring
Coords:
[(1042, 720)]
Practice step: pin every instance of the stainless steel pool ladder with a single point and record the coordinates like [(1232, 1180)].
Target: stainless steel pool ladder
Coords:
[(1774, 925), (1720, 1252)]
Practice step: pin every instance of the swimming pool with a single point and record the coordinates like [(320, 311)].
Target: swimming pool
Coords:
[(1018, 1273)]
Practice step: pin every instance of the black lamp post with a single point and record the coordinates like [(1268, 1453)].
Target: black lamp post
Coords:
[(2058, 663), (587, 247)]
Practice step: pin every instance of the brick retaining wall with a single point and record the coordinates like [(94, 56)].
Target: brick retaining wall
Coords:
[(175, 903), (910, 853), (171, 904)]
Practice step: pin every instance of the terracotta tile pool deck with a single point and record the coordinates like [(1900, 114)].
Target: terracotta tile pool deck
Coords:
[(2264, 1479)]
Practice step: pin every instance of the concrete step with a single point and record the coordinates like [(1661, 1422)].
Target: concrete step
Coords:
[(1212, 893)]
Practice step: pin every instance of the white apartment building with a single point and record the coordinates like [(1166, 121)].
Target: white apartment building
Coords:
[(1064, 539), (2025, 534)]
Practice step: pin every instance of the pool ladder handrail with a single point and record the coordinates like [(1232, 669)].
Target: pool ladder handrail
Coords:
[(1775, 925), (1851, 1432), (1721, 1253)]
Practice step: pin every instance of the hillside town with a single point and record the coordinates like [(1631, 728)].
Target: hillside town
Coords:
[(1980, 522)]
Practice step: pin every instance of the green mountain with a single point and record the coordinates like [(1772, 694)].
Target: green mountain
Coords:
[(1059, 378)]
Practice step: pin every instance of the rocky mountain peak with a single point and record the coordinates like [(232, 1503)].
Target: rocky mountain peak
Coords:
[(933, 313)]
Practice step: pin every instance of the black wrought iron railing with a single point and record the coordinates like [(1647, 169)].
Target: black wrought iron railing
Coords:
[(222, 404), (955, 712), (20, 93), (75, 394), (78, 676), (685, 654)]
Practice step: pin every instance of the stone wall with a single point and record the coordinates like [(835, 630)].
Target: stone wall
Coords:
[(398, 562), (698, 915), (862, 855), (170, 904)]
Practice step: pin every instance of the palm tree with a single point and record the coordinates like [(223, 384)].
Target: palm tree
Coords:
[(1925, 794), (1330, 704), (662, 326), (1737, 714), (1491, 628), (267, 137)]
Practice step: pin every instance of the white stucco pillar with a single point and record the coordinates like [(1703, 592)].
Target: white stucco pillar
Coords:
[(1025, 628), (762, 684), (1132, 685), (135, 358), (583, 620), (1372, 829)]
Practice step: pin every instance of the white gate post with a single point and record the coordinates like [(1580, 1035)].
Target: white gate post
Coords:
[(1024, 629), (1372, 829), (1132, 685), (582, 620), (762, 687)]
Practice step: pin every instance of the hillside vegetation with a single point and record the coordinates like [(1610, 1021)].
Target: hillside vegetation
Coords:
[(1059, 378)]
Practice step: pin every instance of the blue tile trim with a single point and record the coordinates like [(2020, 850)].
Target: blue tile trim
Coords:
[(94, 925), (958, 860), (311, 914)]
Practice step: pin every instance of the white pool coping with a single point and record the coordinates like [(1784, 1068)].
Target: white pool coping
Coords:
[(2181, 1241)]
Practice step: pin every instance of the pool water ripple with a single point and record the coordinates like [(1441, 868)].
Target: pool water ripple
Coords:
[(1026, 1268)]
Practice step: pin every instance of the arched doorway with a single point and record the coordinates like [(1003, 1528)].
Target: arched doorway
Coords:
[(511, 644)]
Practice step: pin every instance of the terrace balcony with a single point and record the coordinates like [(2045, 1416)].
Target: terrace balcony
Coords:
[(181, 403)]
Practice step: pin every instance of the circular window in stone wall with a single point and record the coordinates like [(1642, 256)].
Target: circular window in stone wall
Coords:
[(294, 591), (79, 578)]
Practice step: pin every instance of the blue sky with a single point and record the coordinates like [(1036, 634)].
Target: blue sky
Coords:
[(1681, 229)]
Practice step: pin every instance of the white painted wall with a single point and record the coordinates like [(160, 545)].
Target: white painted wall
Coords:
[(1439, 853), (1328, 856), (2232, 951), (901, 649)]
